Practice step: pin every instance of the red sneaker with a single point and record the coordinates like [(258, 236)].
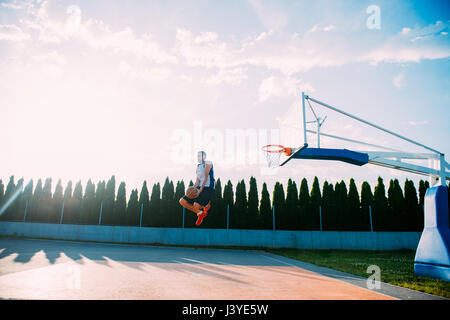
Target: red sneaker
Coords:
[(200, 218)]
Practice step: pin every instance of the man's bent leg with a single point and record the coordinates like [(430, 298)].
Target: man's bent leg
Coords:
[(194, 208)]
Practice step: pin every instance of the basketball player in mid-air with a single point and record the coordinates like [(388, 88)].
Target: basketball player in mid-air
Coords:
[(205, 185)]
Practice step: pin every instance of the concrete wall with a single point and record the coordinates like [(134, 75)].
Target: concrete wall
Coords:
[(217, 237)]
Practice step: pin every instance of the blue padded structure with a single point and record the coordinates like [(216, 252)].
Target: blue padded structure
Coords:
[(433, 252), (352, 157)]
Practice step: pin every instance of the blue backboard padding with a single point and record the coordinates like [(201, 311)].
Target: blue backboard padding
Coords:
[(433, 252), (352, 157)]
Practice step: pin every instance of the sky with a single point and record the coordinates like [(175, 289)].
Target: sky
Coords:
[(91, 89)]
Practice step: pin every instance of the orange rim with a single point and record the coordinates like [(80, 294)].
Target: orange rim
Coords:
[(281, 149), (267, 148)]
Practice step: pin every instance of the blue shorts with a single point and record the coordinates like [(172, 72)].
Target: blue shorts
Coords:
[(203, 198)]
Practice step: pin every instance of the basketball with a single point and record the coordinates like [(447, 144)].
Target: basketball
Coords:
[(192, 192)]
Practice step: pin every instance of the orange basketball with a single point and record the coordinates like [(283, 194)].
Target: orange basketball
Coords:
[(192, 192)]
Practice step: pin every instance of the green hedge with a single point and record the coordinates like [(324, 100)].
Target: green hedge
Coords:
[(338, 207)]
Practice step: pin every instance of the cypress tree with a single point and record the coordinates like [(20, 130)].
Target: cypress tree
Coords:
[(338, 206), (240, 206), (422, 190), (36, 215), (306, 221), (67, 202), (423, 186), (164, 211), (133, 209), (9, 193), (327, 190), (167, 212), (76, 200), (16, 205), (380, 207), (341, 205), (395, 206), (354, 221), (316, 203), (217, 213), (325, 202), (26, 199), (180, 191), (120, 207), (228, 195), (46, 206), (155, 206), (89, 207), (252, 205), (413, 218), (333, 210), (108, 203), (366, 202), (173, 206), (99, 200), (56, 203), (288, 219), (228, 200), (144, 204), (278, 203), (265, 212)]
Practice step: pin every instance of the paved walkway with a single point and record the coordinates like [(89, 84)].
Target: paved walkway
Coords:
[(47, 269)]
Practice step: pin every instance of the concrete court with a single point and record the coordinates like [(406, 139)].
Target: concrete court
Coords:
[(52, 269)]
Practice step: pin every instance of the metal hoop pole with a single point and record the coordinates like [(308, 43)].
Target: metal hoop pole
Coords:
[(304, 118), (370, 124)]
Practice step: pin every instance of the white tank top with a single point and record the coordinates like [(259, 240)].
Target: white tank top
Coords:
[(201, 174)]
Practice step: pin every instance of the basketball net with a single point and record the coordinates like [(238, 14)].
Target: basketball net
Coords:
[(273, 154)]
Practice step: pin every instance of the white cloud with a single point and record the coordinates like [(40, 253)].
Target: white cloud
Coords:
[(13, 33), (125, 41), (204, 50), (232, 76), (146, 74), (16, 5), (186, 78), (96, 34), (292, 54), (282, 87), (405, 31), (314, 28), (324, 29), (394, 54), (418, 123), (273, 50), (53, 56), (270, 14), (399, 80)]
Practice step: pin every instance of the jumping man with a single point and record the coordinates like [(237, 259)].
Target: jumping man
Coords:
[(205, 184)]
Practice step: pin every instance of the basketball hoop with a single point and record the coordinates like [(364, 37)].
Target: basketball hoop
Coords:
[(273, 153)]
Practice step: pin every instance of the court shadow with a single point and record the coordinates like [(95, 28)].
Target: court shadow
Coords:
[(177, 259)]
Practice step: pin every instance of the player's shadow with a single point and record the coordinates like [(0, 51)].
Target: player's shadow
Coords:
[(22, 255)]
